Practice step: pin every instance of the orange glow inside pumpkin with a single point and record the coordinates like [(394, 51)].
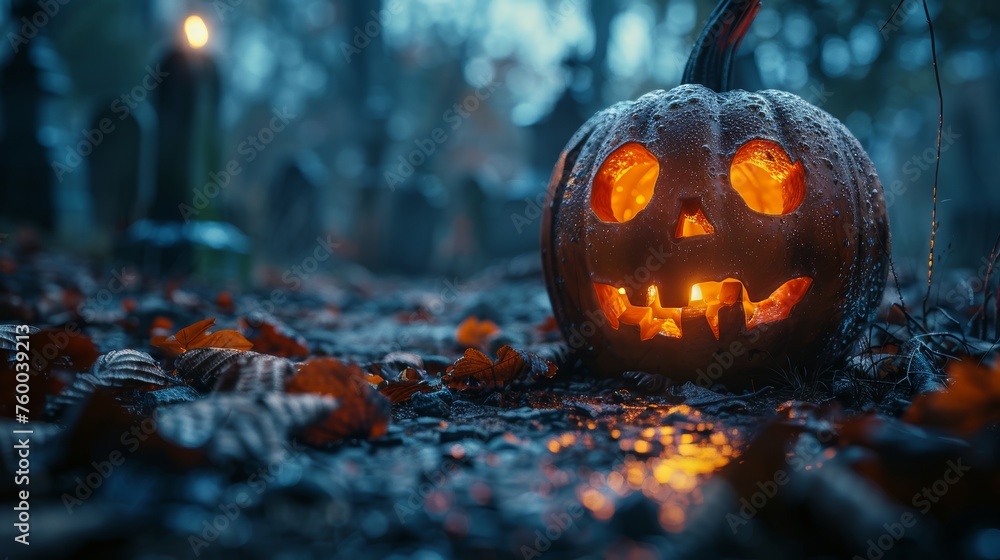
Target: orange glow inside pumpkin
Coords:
[(624, 184), (707, 298), (766, 179), (693, 221)]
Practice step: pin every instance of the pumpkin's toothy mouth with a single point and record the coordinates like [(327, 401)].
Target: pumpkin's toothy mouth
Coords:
[(707, 299)]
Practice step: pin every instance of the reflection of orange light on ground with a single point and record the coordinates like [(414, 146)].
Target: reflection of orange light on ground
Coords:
[(666, 463), (670, 451), (599, 505), (196, 32)]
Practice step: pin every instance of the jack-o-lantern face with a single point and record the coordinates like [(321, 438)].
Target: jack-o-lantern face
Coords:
[(768, 182), (693, 233), (706, 235)]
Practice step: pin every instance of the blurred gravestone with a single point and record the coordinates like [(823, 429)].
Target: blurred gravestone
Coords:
[(114, 173), (411, 225), (30, 80), (463, 249), (293, 210), (397, 230), (554, 130)]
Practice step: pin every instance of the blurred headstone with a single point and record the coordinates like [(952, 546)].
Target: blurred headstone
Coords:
[(410, 226), (31, 79), (398, 232), (114, 174), (554, 130), (462, 250), (293, 209)]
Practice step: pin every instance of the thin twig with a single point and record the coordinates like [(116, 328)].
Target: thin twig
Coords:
[(937, 162), (892, 15), (984, 325)]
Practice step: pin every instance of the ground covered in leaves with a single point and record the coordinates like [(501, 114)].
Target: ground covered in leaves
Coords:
[(365, 417)]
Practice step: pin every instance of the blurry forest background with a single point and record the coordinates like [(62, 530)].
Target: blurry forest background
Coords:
[(365, 90)]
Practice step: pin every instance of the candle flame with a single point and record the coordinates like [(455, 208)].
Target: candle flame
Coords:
[(196, 32), (696, 293)]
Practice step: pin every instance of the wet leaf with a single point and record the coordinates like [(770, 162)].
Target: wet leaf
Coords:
[(971, 401), (8, 337), (271, 336), (363, 412), (475, 368), (62, 348), (229, 426), (198, 336), (224, 301), (476, 333), (402, 391), (252, 372), (116, 369), (201, 367), (160, 327)]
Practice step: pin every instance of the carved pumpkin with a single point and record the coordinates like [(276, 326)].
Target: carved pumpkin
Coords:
[(713, 235)]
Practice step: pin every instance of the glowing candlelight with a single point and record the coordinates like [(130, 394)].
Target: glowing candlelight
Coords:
[(696, 295), (196, 32)]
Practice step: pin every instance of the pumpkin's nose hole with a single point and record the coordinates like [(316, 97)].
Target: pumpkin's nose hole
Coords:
[(692, 221)]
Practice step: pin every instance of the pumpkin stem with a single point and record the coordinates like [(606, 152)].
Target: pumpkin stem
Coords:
[(710, 63)]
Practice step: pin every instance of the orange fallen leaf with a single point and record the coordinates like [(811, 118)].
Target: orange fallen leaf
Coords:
[(362, 411), (198, 336), (971, 401), (276, 339), (549, 325), (62, 348), (129, 305), (475, 368), (161, 326), (224, 301), (476, 333), (401, 391)]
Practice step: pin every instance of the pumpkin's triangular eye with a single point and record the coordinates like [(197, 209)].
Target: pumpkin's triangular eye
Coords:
[(763, 174), (624, 184), (693, 221)]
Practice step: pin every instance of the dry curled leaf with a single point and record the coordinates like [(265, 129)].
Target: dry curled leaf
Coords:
[(117, 369), (198, 336), (232, 426), (477, 369), (270, 336), (225, 369), (160, 327), (363, 412), (8, 337), (224, 301), (62, 348), (399, 388), (971, 401), (41, 385), (201, 367), (253, 372), (402, 391), (476, 333)]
